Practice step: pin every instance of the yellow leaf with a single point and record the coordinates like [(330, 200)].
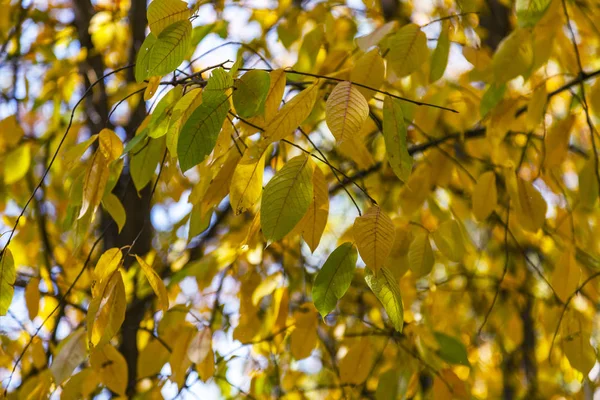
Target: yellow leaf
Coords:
[(580, 353), (356, 365), (292, 114), (200, 345), (94, 182), (355, 150), (369, 70), (206, 369), (8, 275), (153, 84), (407, 50), (77, 151), (156, 283), (420, 255), (275, 94), (179, 361), (566, 275), (32, 297), (374, 234), (514, 56), (448, 386), (71, 352), (531, 206), (246, 183), (346, 111), (266, 287), (304, 337), (106, 312), (151, 359), (485, 195), (10, 133), (449, 240), (108, 263), (219, 185), (536, 107), (314, 221), (111, 367), (557, 142), (110, 144), (16, 164), (114, 207)]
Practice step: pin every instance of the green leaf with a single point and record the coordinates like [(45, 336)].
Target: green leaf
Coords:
[(251, 92), (286, 198), (386, 288), (394, 133), (439, 58), (144, 160), (162, 13), (170, 48), (420, 255), (334, 278), (529, 12), (407, 50), (199, 134), (451, 349), (142, 61), (8, 276)]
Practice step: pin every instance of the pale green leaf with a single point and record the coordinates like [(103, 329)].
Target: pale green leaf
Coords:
[(386, 288), (529, 12), (71, 353), (394, 133), (420, 255), (144, 159), (8, 275), (439, 58)]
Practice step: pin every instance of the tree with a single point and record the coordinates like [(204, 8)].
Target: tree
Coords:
[(300, 199)]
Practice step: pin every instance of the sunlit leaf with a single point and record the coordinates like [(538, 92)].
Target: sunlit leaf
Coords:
[(386, 288), (394, 133), (374, 235), (346, 112), (8, 276), (156, 283)]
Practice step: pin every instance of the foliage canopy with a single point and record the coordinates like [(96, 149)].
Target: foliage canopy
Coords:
[(299, 199)]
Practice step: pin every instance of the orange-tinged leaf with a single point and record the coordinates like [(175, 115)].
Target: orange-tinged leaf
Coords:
[(94, 182), (32, 297), (356, 365), (314, 221), (156, 283), (304, 337), (374, 234), (485, 195), (346, 111)]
